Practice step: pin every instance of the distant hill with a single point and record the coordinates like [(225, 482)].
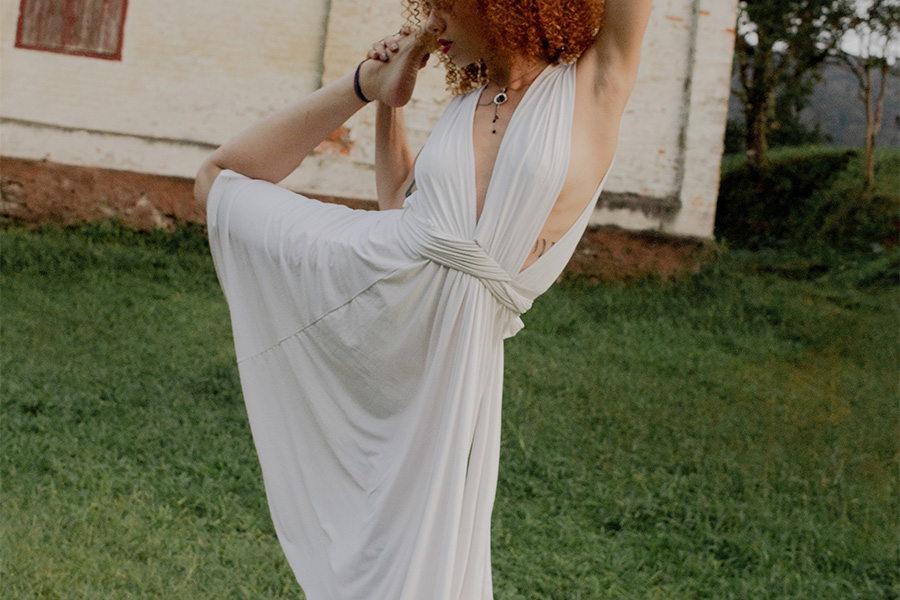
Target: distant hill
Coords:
[(836, 106)]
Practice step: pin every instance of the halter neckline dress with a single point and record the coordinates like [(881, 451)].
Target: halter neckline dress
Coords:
[(370, 351)]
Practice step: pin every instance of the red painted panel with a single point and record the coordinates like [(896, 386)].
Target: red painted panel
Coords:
[(82, 27), (41, 22)]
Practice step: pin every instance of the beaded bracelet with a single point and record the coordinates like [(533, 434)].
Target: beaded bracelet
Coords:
[(356, 87)]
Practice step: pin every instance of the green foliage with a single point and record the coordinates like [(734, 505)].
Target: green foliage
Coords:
[(735, 136), (813, 199), (778, 51), (791, 97), (751, 216), (729, 436), (787, 131)]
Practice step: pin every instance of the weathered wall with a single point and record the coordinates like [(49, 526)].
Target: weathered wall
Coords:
[(671, 140), (192, 75)]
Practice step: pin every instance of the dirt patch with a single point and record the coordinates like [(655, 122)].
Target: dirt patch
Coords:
[(38, 192), (41, 192), (613, 254)]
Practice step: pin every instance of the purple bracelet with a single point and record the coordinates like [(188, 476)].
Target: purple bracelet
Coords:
[(356, 87)]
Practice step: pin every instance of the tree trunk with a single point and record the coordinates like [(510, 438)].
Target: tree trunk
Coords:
[(757, 139), (873, 126), (871, 132), (758, 76)]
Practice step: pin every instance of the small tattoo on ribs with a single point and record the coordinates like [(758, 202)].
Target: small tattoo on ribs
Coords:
[(541, 246)]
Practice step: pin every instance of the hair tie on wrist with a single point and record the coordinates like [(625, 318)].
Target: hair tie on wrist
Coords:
[(356, 87)]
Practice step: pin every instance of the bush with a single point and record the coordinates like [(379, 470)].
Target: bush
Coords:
[(851, 220), (789, 132), (753, 214), (811, 199), (735, 136)]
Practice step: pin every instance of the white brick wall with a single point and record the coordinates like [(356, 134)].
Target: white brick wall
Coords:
[(194, 73)]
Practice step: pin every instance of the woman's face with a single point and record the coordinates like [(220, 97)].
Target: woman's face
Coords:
[(458, 26)]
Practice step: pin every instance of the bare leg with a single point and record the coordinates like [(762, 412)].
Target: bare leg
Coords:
[(272, 148)]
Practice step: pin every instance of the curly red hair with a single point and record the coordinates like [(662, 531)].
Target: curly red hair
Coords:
[(552, 30)]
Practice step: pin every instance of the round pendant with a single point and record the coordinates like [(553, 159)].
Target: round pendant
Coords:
[(500, 98)]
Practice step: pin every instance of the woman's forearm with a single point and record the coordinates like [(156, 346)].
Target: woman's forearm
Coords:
[(275, 146), (393, 159)]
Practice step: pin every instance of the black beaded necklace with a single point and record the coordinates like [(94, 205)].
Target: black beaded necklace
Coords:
[(502, 96)]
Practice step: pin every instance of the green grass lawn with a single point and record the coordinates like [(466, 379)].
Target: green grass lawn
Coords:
[(732, 435)]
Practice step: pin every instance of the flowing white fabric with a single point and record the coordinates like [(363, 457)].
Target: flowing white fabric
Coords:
[(370, 349)]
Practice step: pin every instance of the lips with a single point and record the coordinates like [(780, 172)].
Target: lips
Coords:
[(445, 46)]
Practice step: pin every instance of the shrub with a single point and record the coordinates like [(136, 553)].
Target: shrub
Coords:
[(811, 199), (851, 219), (735, 136), (754, 214)]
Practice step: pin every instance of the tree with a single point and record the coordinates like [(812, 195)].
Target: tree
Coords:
[(877, 26), (786, 127), (780, 43)]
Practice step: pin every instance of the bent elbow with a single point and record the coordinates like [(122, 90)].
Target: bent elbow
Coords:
[(204, 181)]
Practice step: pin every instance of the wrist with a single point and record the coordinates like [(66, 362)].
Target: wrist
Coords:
[(357, 84)]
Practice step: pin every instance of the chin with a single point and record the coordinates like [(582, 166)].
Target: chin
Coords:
[(462, 63)]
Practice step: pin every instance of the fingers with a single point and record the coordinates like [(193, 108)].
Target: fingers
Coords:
[(382, 49), (424, 41)]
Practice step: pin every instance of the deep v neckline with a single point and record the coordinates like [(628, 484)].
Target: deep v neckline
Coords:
[(473, 205)]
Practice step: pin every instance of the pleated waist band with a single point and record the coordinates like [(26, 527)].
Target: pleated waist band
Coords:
[(466, 256)]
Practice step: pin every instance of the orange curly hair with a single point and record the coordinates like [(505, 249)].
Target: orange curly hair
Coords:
[(553, 30)]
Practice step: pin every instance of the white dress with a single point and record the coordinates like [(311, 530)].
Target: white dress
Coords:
[(370, 350)]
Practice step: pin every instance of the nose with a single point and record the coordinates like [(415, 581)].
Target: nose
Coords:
[(434, 23)]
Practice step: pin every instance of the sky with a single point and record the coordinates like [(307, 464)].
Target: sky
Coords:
[(854, 44)]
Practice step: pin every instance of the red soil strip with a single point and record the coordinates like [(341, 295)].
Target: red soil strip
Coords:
[(40, 192)]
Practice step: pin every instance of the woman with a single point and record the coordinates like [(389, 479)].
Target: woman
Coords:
[(370, 344)]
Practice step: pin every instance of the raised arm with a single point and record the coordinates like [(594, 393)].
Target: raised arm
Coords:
[(617, 51), (393, 158), (272, 148)]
